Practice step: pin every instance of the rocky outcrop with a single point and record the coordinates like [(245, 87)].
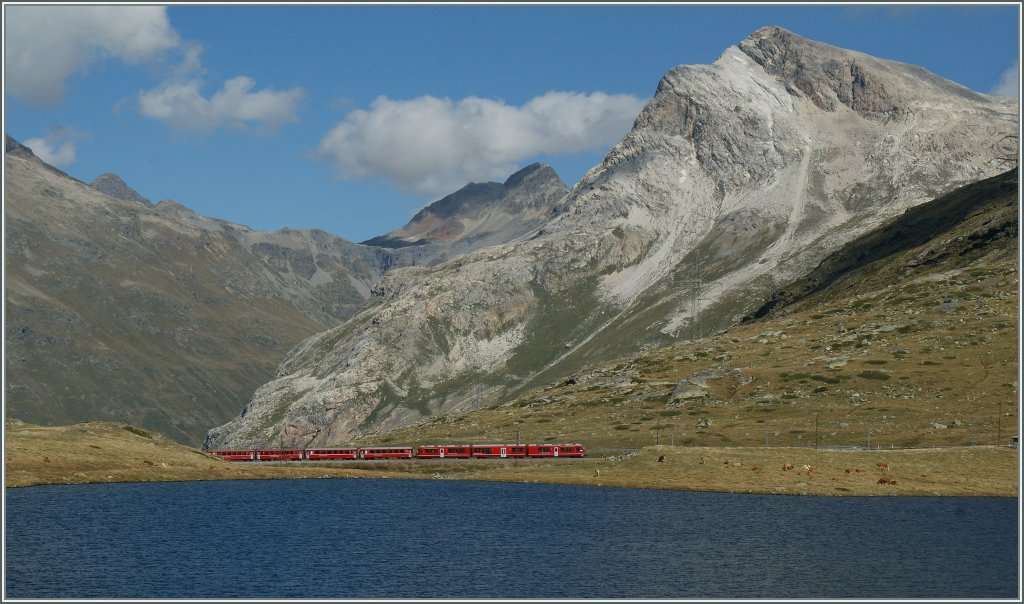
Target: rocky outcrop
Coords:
[(737, 176)]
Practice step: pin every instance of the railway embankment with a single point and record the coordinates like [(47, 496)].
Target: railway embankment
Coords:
[(99, 452)]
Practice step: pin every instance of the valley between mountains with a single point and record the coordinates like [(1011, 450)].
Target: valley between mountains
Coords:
[(795, 246)]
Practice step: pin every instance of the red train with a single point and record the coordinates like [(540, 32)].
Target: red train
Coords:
[(421, 452)]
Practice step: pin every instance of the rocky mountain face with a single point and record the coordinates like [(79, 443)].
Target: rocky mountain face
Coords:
[(476, 216), (118, 309), (737, 177)]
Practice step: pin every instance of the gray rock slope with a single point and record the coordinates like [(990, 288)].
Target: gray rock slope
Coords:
[(737, 177)]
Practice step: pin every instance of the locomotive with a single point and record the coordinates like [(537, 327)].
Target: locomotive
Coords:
[(406, 452)]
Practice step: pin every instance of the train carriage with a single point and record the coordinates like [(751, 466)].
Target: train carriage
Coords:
[(444, 451), (385, 453), (336, 453), (235, 455), (279, 454), (566, 450), (498, 451)]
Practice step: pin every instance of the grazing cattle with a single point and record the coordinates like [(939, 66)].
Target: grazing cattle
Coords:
[(808, 468), (597, 472), (787, 466), (886, 480), (847, 470), (703, 460), (756, 469), (661, 459), (883, 466), (46, 460)]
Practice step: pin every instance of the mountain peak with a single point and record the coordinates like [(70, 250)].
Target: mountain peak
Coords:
[(111, 184), (533, 171), (832, 77), (769, 31), (472, 212)]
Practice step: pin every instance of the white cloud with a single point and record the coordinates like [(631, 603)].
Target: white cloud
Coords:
[(43, 45), (1009, 85), (183, 107), (432, 146), (57, 148)]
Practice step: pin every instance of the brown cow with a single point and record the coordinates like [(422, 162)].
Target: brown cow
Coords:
[(886, 480), (787, 466), (883, 466)]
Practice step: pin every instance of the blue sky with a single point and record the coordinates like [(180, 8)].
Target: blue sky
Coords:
[(351, 118)]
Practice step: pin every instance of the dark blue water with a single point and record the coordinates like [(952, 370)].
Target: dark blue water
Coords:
[(451, 539)]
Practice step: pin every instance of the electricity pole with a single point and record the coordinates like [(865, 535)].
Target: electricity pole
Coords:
[(999, 423), (696, 283), (815, 429)]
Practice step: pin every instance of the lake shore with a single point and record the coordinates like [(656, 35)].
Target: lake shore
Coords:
[(100, 452)]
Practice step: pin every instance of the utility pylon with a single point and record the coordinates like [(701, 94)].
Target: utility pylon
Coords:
[(696, 283)]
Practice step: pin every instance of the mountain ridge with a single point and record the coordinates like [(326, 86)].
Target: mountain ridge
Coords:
[(119, 309)]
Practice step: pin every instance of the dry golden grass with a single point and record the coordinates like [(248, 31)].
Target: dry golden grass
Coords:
[(968, 471), (104, 452)]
